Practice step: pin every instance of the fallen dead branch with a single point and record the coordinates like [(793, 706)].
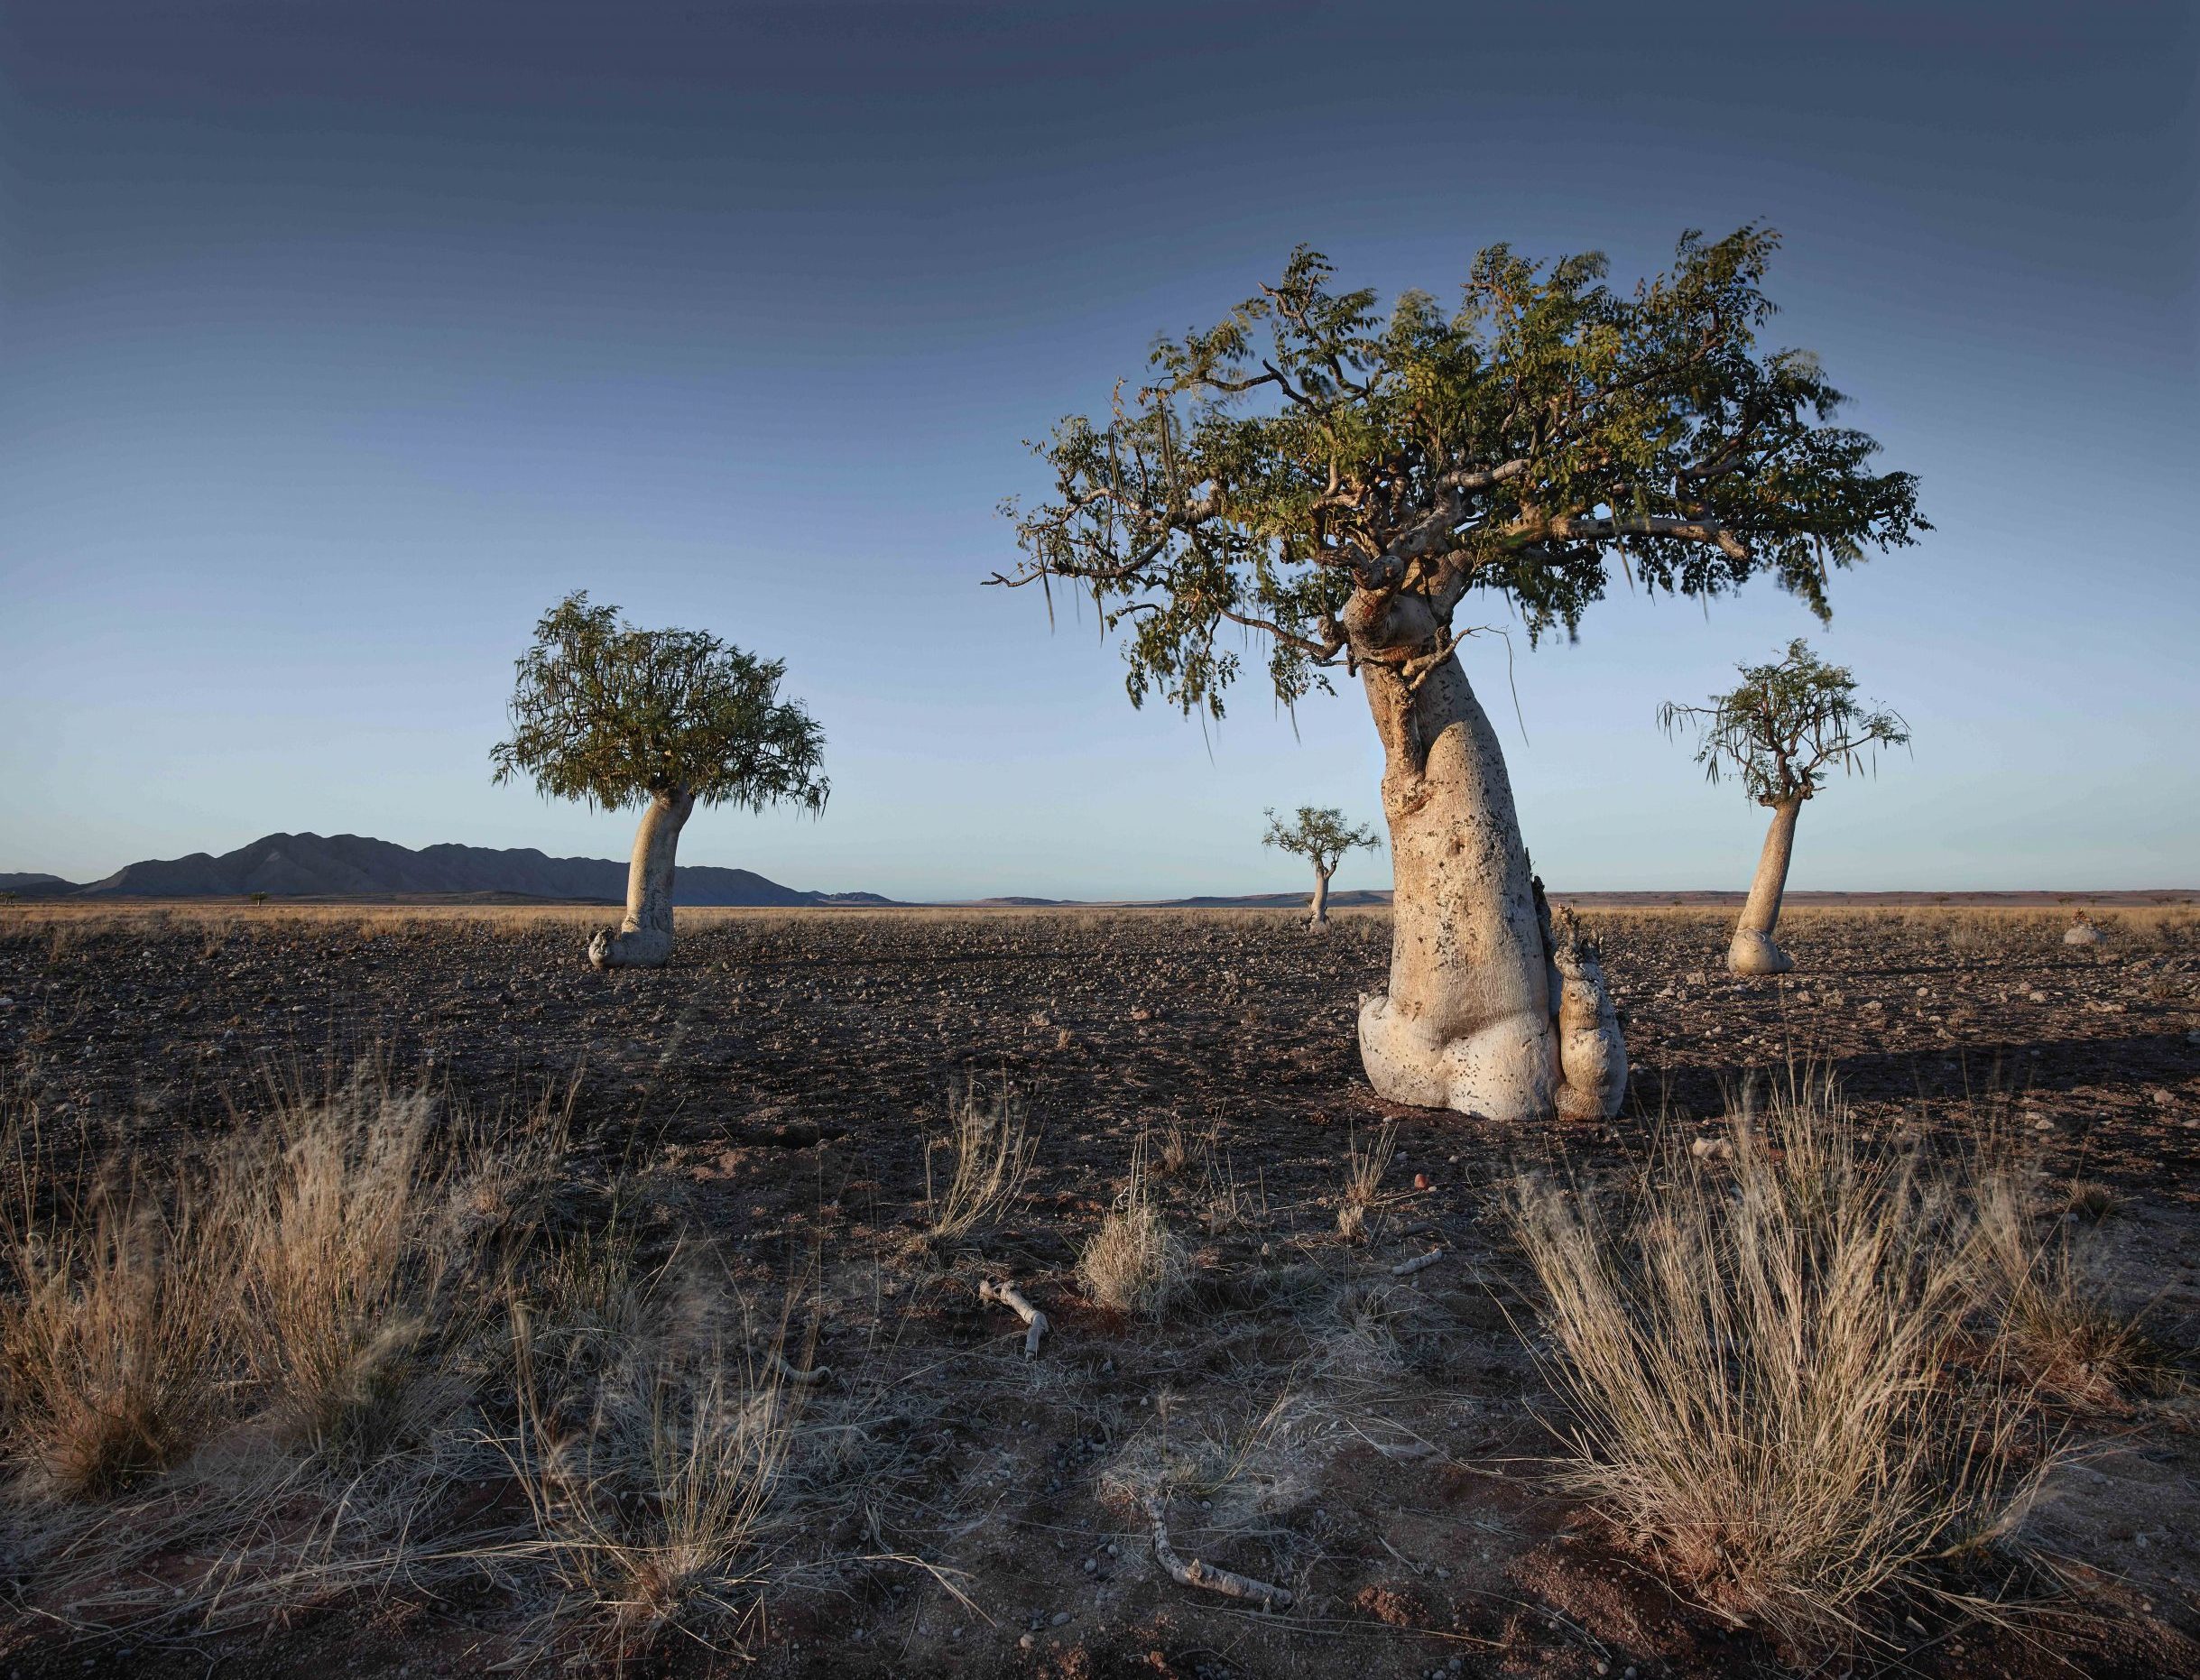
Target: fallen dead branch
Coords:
[(1420, 1262), (1006, 1294), (815, 1375), (1194, 1573)]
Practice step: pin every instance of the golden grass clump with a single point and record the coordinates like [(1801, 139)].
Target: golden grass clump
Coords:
[(2057, 1329), (113, 1329), (659, 1514), (1775, 1370), (1133, 1263), (993, 1148), (1361, 1199)]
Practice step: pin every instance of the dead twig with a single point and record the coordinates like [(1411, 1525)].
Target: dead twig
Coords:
[(807, 1378), (1008, 1294), (1420, 1262), (1196, 1574)]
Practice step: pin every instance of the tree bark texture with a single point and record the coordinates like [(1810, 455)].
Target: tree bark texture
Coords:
[(1488, 1010), (644, 939), (1753, 951)]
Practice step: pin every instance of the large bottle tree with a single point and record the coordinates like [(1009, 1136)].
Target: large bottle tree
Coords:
[(1339, 481), (1778, 732), (662, 719)]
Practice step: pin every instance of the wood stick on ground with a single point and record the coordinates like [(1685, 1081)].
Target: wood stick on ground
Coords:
[(1009, 1296), (1196, 1574), (807, 1379), (1420, 1262)]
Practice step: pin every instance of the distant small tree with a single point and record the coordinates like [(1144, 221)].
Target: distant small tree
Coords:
[(1787, 723), (1322, 838), (664, 719)]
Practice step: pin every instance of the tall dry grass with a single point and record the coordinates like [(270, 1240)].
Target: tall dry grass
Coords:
[(1786, 1375), (1360, 1204), (1135, 1262), (657, 1513), (990, 1146), (115, 1323)]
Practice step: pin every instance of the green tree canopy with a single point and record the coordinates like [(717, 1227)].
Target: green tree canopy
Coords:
[(1547, 428), (1320, 835), (617, 715), (1784, 726)]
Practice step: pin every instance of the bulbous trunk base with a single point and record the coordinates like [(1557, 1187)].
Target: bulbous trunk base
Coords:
[(644, 939), (1488, 1010), (1523, 1067), (1755, 954), (642, 947)]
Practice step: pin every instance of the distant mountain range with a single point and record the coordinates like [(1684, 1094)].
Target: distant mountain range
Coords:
[(352, 866)]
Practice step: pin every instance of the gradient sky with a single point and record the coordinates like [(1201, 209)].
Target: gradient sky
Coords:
[(340, 337)]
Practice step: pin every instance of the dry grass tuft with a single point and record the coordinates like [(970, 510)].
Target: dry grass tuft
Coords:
[(2059, 1330), (993, 1149), (1761, 1367), (659, 1513), (1134, 1263), (1362, 1202), (112, 1335)]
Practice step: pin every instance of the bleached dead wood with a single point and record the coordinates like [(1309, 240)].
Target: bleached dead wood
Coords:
[(1420, 1262), (1194, 1573), (807, 1379), (1008, 1294)]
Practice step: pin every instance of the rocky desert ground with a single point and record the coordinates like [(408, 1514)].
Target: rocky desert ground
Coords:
[(755, 1147)]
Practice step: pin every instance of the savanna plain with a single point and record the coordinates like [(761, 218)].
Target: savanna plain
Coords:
[(1045, 1292)]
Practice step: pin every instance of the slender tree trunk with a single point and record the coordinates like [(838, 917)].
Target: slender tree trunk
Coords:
[(1753, 951), (1317, 918), (1471, 1018), (644, 939)]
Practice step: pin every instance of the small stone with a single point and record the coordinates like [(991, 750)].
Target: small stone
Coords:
[(1061, 1618), (1025, 1642), (1091, 1564)]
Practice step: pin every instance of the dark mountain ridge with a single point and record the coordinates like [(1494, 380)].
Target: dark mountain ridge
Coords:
[(317, 866)]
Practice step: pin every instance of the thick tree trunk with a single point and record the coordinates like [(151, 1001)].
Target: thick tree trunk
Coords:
[(1317, 915), (1753, 951), (1486, 1012), (644, 939)]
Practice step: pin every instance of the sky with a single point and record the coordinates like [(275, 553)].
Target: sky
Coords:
[(339, 340)]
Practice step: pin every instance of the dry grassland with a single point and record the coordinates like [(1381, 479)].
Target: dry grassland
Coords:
[(382, 1292)]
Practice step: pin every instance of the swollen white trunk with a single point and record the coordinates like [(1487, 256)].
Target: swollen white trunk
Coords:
[(1487, 1012), (1317, 915), (1753, 951), (644, 939)]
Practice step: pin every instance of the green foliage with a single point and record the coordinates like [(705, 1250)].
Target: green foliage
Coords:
[(1786, 722), (1320, 835), (617, 715), (1307, 447)]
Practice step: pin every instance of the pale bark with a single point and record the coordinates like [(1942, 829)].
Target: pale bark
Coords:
[(1317, 918), (1485, 1013), (1753, 951), (644, 939)]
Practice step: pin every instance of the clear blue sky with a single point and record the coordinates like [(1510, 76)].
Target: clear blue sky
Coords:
[(337, 340)]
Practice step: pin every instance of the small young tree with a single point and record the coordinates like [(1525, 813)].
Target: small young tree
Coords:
[(1322, 838), (664, 719), (1778, 732), (1340, 481)]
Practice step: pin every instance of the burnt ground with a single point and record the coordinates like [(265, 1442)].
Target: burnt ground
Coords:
[(1377, 1442)]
